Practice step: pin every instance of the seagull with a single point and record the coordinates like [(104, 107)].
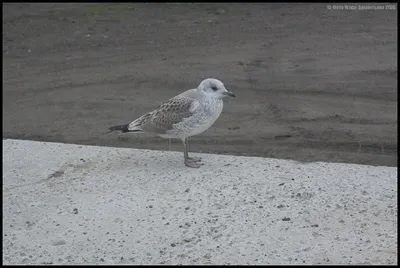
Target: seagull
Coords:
[(185, 115)]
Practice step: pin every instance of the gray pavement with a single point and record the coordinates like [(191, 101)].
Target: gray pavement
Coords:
[(74, 204)]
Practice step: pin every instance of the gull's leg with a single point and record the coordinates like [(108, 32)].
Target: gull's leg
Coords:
[(188, 161), (193, 159)]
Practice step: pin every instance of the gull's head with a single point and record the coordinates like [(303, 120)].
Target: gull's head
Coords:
[(214, 88)]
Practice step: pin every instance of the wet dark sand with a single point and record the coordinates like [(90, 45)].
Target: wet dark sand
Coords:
[(312, 84)]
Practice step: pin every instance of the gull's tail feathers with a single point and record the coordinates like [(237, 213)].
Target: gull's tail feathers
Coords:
[(136, 126), (122, 128)]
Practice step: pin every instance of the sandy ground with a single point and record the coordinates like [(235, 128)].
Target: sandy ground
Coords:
[(76, 204), (313, 84)]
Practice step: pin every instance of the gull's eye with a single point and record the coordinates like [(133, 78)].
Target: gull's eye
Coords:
[(214, 88)]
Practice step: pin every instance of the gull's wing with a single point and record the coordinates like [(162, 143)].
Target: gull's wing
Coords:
[(169, 113)]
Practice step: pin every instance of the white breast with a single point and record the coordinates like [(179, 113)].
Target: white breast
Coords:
[(200, 121), (212, 111)]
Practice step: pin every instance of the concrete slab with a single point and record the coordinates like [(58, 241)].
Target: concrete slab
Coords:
[(75, 204)]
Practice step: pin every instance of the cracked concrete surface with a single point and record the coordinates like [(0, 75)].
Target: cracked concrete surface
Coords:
[(75, 204)]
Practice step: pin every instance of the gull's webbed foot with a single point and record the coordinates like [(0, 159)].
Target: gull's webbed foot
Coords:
[(192, 162), (194, 159)]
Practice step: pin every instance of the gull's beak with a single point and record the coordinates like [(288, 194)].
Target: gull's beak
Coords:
[(228, 93)]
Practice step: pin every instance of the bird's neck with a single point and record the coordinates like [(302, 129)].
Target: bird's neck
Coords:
[(212, 105)]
